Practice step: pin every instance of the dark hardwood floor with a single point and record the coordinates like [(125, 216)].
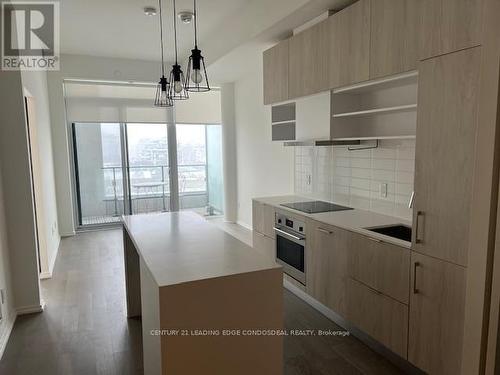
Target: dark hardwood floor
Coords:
[(83, 330)]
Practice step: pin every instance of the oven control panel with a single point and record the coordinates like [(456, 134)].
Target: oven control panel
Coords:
[(290, 223)]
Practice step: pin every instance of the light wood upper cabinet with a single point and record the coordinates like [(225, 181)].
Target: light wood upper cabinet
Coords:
[(444, 160), (381, 266), (449, 25), (326, 265), (308, 65), (436, 315), (276, 73), (393, 37), (349, 45)]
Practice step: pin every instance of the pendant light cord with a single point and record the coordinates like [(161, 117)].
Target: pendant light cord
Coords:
[(175, 33), (161, 42), (195, 25)]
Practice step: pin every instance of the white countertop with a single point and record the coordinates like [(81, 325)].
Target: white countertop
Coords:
[(180, 247), (353, 220)]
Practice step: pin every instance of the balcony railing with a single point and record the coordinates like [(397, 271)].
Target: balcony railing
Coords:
[(150, 187)]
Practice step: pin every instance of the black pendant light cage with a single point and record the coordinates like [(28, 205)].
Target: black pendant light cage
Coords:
[(196, 73), (162, 98), (177, 79)]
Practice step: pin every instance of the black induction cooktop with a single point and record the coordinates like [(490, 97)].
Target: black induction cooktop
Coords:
[(314, 207)]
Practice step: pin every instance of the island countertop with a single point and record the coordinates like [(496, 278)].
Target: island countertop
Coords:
[(180, 247)]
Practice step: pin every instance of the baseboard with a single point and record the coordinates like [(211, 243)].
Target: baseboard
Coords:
[(5, 331), (30, 309), (244, 225), (398, 361)]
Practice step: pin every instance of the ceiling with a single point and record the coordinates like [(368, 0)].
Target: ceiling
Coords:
[(230, 31), (119, 28)]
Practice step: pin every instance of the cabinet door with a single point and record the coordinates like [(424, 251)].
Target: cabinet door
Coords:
[(449, 25), (276, 73), (436, 315), (269, 215), (308, 69), (349, 47), (394, 37), (258, 216), (265, 244), (381, 317), (326, 264), (444, 159), (382, 266)]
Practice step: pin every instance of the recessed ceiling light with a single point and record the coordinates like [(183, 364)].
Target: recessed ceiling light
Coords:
[(186, 16), (150, 11)]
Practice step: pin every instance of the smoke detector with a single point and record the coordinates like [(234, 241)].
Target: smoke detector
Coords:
[(186, 16), (150, 11)]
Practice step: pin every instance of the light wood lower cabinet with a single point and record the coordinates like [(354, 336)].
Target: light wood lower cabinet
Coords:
[(269, 216), (264, 244), (381, 317), (263, 218), (326, 265), (382, 266), (437, 306), (257, 216)]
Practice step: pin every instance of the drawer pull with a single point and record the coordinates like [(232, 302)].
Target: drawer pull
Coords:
[(374, 239), (415, 266), (420, 214), (324, 231)]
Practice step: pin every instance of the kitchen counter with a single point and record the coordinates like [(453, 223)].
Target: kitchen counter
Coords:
[(198, 290), (353, 220), (182, 247)]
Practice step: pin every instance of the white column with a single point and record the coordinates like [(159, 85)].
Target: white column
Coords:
[(172, 159), (229, 152)]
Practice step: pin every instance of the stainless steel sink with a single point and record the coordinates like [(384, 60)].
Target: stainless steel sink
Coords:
[(399, 231)]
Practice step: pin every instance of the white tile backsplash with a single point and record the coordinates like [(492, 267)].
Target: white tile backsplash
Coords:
[(354, 177)]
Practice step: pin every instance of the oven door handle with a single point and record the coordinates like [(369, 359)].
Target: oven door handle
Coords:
[(289, 235)]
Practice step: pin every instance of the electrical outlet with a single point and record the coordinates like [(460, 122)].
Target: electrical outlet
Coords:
[(383, 190)]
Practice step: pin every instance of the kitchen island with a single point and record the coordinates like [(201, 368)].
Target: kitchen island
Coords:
[(210, 304)]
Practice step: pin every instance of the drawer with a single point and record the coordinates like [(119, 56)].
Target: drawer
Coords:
[(381, 317), (380, 265)]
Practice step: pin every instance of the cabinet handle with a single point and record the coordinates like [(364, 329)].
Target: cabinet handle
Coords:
[(415, 265), (374, 239), (417, 226), (324, 231)]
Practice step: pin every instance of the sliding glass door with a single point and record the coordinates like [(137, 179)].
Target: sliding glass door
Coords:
[(148, 172), (124, 169), (99, 173)]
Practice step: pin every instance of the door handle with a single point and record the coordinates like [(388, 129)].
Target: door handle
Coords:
[(415, 266), (324, 231), (420, 214)]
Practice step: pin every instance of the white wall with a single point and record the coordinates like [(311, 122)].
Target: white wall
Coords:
[(17, 193), (35, 83), (8, 312), (264, 167)]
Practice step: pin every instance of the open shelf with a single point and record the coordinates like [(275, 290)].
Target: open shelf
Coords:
[(397, 80), (375, 111), (379, 109)]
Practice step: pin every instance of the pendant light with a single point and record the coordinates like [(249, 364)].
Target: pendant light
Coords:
[(177, 89), (162, 98), (196, 74)]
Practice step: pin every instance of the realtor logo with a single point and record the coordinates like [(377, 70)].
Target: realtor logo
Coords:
[(30, 35)]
